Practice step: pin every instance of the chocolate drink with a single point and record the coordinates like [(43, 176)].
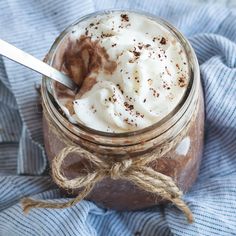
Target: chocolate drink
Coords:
[(139, 87)]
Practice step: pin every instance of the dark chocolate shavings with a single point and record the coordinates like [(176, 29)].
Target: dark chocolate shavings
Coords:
[(124, 17), (163, 41)]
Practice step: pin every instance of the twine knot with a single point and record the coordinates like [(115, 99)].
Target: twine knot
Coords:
[(118, 169), (136, 171)]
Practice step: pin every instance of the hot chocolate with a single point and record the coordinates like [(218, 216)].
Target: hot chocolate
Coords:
[(140, 85)]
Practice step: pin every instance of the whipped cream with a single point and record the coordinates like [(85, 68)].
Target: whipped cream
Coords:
[(149, 74)]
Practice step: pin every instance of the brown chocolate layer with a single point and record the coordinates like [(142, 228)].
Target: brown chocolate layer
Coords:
[(81, 59)]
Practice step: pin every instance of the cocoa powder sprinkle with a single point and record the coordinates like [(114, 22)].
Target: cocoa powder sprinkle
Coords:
[(182, 82), (163, 41), (124, 17), (137, 54)]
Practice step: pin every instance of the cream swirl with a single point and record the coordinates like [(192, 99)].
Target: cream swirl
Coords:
[(148, 81)]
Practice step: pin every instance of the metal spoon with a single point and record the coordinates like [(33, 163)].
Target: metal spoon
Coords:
[(35, 64)]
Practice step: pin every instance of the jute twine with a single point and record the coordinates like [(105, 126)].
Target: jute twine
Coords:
[(136, 170)]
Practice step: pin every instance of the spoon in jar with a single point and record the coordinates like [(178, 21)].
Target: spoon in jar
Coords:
[(35, 64)]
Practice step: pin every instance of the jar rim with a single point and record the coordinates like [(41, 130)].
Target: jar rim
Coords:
[(174, 115)]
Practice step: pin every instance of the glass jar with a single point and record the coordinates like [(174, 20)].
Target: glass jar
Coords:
[(181, 163)]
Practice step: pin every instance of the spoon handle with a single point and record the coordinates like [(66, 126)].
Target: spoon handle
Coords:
[(35, 64)]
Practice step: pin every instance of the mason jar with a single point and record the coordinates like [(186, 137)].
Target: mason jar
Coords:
[(181, 162)]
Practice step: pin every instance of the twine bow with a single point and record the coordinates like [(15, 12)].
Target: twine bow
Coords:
[(135, 170)]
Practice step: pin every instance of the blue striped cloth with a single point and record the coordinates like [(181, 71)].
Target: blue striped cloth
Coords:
[(33, 26)]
